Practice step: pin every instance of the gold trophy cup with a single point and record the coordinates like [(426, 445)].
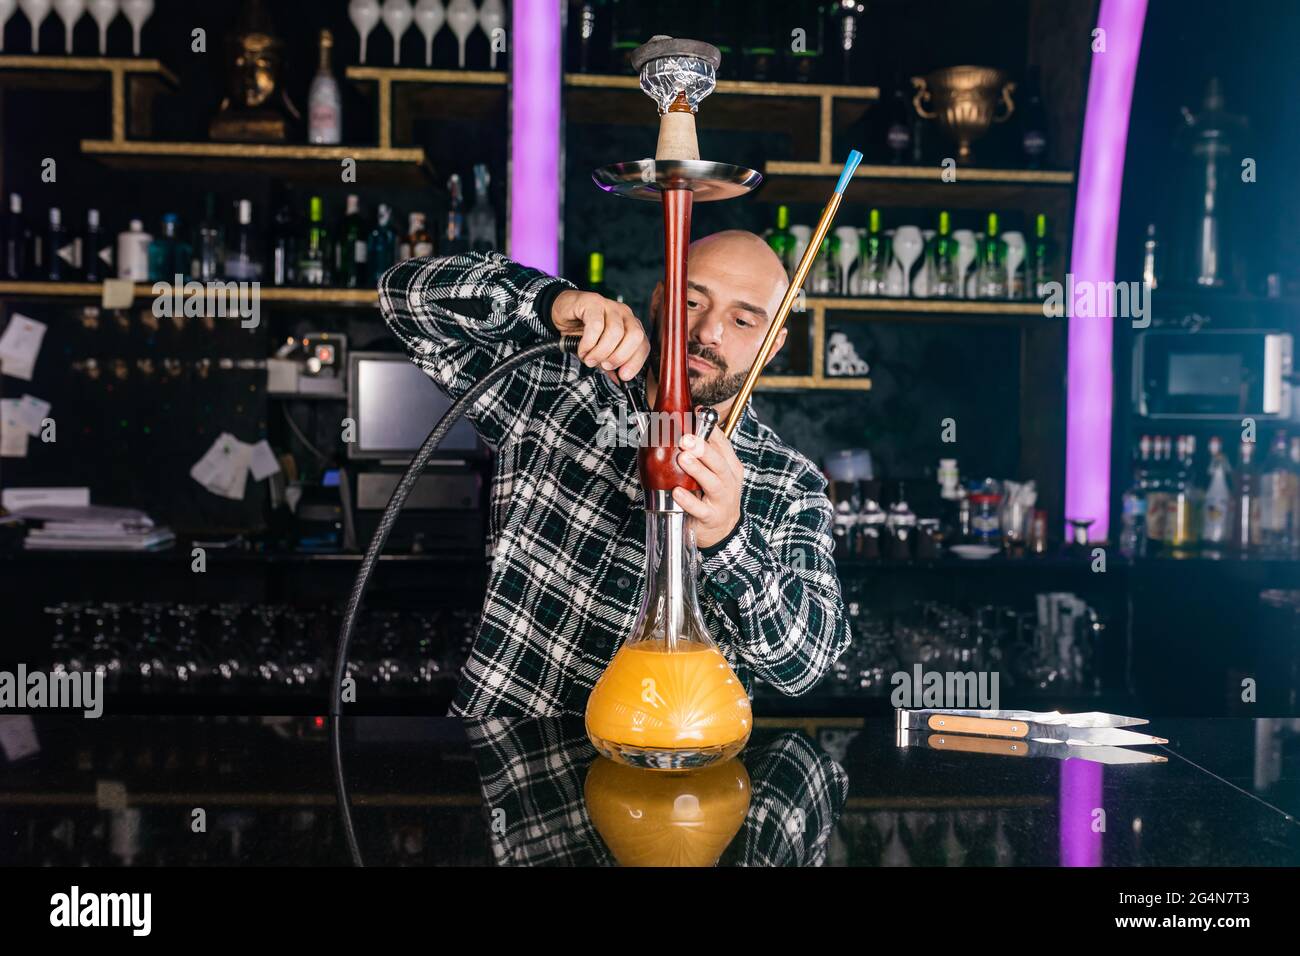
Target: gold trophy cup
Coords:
[(965, 101)]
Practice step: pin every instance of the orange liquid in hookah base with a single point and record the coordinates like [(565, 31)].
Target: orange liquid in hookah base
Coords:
[(684, 699)]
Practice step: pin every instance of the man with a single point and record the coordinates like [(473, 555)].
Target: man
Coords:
[(567, 528)]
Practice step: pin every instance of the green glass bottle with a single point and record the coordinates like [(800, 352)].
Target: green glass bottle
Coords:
[(1041, 258), (874, 258), (826, 269), (781, 239), (313, 266), (992, 281), (596, 277), (945, 260)]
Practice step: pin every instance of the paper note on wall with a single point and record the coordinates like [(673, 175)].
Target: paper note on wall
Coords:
[(19, 346), (13, 436)]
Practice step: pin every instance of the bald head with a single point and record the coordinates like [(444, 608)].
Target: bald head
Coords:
[(745, 251)]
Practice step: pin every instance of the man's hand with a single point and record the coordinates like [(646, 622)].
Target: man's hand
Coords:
[(612, 336), (716, 469)]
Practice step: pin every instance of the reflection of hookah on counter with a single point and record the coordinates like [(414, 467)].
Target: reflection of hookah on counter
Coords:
[(549, 799)]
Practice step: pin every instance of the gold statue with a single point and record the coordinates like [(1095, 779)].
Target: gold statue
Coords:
[(256, 106)]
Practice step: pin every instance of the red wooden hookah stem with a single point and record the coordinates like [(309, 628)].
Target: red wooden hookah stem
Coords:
[(658, 464)]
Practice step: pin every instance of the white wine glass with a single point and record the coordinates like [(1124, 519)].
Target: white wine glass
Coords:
[(69, 11), (907, 249), (429, 18), (103, 12), (36, 11), (462, 17), (1015, 243), (848, 254), (965, 240), (7, 8), (136, 13), (397, 17), (364, 14), (491, 17)]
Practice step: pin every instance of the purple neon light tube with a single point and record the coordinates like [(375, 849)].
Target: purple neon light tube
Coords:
[(535, 87), (1092, 259)]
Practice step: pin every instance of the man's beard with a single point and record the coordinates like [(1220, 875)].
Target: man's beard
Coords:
[(706, 388)]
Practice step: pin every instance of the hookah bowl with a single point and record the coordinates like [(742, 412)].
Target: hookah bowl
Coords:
[(669, 700)]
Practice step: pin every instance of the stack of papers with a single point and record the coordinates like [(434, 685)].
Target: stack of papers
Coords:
[(92, 528)]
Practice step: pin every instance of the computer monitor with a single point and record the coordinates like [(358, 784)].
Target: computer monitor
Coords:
[(395, 405)]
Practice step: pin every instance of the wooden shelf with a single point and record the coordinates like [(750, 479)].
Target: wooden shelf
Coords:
[(822, 383), (406, 165), (972, 174), (77, 73), (83, 64), (479, 94), (734, 104), (144, 291), (926, 307)]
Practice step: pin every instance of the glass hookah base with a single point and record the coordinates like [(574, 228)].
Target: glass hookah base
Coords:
[(663, 758)]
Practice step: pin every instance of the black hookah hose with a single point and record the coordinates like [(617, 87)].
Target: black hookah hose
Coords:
[(568, 343)]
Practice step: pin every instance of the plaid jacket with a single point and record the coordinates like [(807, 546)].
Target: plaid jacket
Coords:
[(567, 525), (532, 775)]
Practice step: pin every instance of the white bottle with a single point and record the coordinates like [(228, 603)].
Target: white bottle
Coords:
[(324, 105), (1217, 506), (133, 253)]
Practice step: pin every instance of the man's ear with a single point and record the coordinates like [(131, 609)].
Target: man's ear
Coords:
[(776, 347)]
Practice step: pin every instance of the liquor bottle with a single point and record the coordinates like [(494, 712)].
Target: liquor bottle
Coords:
[(96, 250), (1275, 497), (826, 268), (481, 222), (583, 55), (1041, 258), (418, 242), (243, 261), (169, 254), (1294, 510), (1151, 259), (208, 242), (781, 240), (1133, 504), (18, 241), (944, 274), (1216, 515), (1157, 494), (596, 277), (625, 35), (453, 238), (1182, 523), (133, 252), (845, 24), (804, 61), (381, 247), (350, 250), (1246, 502), (1033, 122), (324, 104), (898, 124), (874, 257), (758, 50), (59, 252), (314, 259), (992, 280), (284, 246)]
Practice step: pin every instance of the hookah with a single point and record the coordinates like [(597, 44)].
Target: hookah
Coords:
[(669, 700)]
